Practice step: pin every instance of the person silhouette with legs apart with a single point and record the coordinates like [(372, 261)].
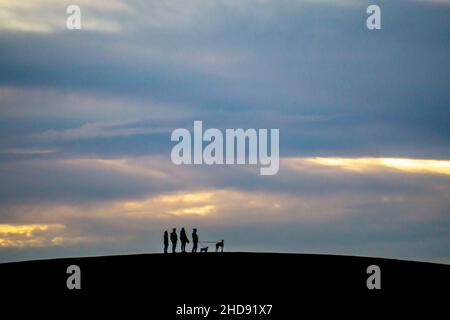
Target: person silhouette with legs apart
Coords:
[(166, 241), (184, 239), (194, 240), (174, 239)]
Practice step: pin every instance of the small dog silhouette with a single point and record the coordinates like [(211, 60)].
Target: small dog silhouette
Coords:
[(205, 249), (219, 245)]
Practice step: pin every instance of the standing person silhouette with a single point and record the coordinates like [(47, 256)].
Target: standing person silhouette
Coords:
[(194, 240), (184, 239), (174, 239), (166, 241)]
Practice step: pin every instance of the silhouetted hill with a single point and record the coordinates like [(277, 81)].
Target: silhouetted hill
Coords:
[(290, 282)]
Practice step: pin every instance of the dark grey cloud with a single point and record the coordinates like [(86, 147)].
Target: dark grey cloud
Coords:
[(262, 67)]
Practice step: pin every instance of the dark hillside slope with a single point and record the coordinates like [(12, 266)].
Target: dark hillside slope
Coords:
[(289, 282)]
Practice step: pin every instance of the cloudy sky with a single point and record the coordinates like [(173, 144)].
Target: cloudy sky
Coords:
[(86, 117)]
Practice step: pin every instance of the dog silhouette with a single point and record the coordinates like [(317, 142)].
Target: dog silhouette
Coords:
[(219, 245)]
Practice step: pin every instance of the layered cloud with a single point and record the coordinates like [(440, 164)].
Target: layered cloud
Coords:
[(86, 117), (128, 202)]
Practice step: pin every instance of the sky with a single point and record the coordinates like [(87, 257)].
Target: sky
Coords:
[(86, 118)]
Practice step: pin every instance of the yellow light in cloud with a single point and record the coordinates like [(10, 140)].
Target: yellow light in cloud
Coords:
[(416, 165), (402, 164), (201, 211), (28, 235), (188, 197), (134, 205), (26, 229), (183, 203)]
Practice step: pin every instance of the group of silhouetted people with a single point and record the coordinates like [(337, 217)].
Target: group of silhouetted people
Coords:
[(183, 239)]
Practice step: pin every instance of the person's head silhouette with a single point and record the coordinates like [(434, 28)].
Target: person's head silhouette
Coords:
[(195, 230), (174, 230)]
